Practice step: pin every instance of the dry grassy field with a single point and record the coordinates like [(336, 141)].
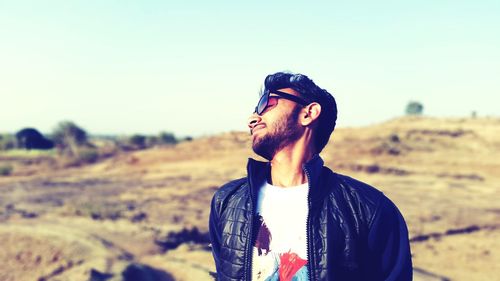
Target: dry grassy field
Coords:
[(147, 211)]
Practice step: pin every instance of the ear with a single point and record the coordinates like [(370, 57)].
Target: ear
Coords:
[(310, 113)]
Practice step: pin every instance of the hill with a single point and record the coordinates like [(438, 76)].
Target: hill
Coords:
[(135, 208)]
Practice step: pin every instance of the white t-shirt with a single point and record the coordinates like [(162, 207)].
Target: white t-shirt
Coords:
[(280, 250)]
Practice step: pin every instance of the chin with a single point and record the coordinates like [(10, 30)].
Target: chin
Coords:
[(262, 151), (256, 140)]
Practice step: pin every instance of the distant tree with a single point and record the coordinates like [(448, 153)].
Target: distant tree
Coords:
[(167, 138), (29, 138), (152, 141), (69, 136), (414, 108), (138, 141)]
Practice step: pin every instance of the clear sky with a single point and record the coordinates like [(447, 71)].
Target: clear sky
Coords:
[(195, 67)]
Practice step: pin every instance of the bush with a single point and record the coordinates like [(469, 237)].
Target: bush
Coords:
[(7, 142), (152, 141), (100, 210), (137, 141), (82, 157), (140, 141), (5, 170), (30, 138), (414, 108), (174, 239), (167, 138), (69, 136), (87, 156)]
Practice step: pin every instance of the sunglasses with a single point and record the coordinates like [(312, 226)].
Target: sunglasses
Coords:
[(267, 100)]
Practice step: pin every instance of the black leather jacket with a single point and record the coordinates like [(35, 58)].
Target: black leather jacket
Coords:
[(354, 232)]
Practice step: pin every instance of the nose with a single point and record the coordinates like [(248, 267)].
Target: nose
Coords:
[(253, 120)]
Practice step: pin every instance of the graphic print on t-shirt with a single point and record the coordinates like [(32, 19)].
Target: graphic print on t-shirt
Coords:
[(264, 237), (271, 266)]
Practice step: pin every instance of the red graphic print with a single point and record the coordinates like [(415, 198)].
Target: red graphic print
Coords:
[(290, 263)]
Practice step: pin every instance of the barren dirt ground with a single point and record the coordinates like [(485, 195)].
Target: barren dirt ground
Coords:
[(97, 220)]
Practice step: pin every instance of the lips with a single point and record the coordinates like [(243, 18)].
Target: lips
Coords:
[(257, 128)]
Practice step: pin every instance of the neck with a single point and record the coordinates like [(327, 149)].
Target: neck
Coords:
[(286, 165)]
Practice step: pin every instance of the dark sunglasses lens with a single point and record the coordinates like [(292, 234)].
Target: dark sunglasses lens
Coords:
[(261, 106)]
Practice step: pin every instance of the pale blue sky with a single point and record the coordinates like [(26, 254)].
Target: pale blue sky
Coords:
[(195, 67)]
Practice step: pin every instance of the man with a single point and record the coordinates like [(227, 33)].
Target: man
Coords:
[(292, 218)]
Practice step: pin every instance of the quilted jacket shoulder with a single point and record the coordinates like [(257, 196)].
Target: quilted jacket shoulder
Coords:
[(227, 190), (355, 231)]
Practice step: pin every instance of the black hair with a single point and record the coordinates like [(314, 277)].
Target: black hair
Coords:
[(311, 92)]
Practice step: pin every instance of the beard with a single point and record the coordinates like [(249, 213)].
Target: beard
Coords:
[(286, 131)]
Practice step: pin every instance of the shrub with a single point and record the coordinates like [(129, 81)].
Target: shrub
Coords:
[(30, 138), (88, 155), (414, 108), (7, 142), (174, 239), (167, 138), (152, 141), (100, 210), (137, 141), (69, 136), (83, 156), (5, 170)]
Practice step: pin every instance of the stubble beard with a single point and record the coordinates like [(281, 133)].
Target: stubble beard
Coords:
[(286, 131)]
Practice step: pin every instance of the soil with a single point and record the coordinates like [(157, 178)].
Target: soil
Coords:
[(99, 220)]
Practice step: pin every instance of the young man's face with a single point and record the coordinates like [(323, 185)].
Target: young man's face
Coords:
[(276, 127)]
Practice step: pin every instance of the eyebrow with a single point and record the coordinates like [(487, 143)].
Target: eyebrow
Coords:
[(289, 97)]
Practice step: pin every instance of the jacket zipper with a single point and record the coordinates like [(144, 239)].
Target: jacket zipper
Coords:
[(308, 224), (249, 252)]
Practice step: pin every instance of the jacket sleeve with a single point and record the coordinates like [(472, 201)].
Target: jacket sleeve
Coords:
[(390, 256), (215, 232)]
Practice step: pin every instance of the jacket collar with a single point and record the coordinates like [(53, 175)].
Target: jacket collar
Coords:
[(258, 172)]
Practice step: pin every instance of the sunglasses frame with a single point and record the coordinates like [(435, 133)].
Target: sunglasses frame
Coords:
[(280, 94)]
